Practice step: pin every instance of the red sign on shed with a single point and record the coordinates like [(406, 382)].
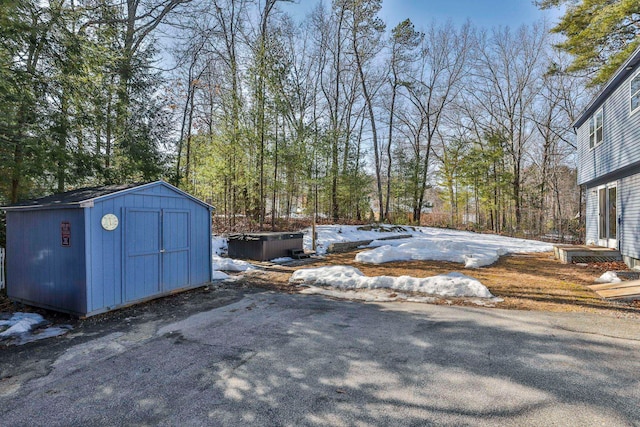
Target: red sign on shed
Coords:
[(65, 233)]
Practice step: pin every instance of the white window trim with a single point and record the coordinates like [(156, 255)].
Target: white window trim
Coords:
[(595, 129), (606, 187), (631, 110)]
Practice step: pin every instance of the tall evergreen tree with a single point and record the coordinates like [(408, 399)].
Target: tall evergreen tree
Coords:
[(600, 34), (26, 27)]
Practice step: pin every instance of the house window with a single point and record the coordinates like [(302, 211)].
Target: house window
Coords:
[(595, 129), (635, 93)]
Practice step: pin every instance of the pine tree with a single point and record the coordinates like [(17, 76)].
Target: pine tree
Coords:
[(600, 34)]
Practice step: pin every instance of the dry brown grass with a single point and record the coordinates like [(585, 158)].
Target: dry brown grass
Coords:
[(524, 282)]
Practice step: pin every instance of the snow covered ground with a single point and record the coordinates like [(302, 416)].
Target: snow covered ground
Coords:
[(471, 249), (426, 243), (328, 234)]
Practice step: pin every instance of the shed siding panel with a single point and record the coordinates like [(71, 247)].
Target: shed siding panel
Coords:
[(176, 243), (88, 253), (106, 260), (200, 243), (160, 190), (621, 144), (629, 209), (39, 269)]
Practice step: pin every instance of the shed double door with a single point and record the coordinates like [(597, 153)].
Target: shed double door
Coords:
[(156, 251)]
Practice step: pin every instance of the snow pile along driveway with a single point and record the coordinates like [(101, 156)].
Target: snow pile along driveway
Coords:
[(344, 277)]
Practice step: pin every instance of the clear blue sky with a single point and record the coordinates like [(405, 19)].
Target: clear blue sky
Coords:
[(482, 13)]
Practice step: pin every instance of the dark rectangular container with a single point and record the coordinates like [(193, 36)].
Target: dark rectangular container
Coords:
[(264, 246)]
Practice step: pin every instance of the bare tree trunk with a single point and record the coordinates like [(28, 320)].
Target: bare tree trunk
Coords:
[(189, 136), (372, 120), (423, 181), (275, 178), (335, 134), (187, 115), (394, 89)]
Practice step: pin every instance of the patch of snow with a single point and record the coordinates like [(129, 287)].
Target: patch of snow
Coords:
[(471, 249), (282, 260), (219, 245), (21, 323), (344, 277), (394, 242), (298, 215), (328, 234), (22, 328), (40, 334), (427, 243), (491, 302), (219, 275), (609, 277), (228, 264)]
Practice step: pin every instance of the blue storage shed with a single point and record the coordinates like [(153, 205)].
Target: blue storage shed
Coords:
[(92, 250)]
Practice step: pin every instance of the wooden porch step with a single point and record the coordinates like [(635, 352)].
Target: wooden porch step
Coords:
[(620, 293), (299, 253), (606, 286), (583, 253), (622, 290)]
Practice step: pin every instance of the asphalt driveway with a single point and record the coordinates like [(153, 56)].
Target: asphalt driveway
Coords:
[(262, 358)]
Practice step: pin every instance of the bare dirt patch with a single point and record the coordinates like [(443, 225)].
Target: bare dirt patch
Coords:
[(523, 281)]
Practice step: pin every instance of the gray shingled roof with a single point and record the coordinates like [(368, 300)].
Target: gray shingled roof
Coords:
[(73, 197)]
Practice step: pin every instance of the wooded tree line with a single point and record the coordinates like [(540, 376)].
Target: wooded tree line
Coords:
[(269, 116), (349, 120), (80, 101)]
